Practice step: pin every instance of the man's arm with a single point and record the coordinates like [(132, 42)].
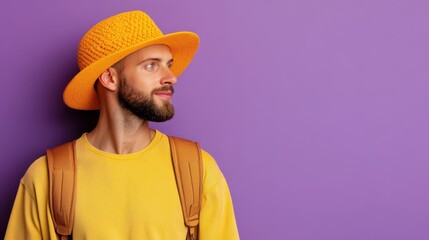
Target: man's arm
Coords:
[(217, 219), (30, 217), (23, 221)]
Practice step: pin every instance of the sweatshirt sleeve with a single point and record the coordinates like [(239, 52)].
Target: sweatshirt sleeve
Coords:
[(30, 216), (24, 220), (217, 219)]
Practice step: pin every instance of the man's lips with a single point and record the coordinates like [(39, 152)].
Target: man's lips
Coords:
[(164, 94)]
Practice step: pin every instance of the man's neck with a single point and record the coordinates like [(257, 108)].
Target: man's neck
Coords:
[(121, 133)]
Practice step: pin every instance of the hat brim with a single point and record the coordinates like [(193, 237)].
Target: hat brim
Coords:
[(80, 93)]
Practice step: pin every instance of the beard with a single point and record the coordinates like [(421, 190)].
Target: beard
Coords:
[(143, 105)]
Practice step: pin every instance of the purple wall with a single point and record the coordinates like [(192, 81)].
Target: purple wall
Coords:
[(316, 111)]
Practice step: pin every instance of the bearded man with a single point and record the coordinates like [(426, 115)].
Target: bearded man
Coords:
[(126, 187)]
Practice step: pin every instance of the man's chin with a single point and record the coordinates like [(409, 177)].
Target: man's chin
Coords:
[(163, 113), (162, 102), (160, 119)]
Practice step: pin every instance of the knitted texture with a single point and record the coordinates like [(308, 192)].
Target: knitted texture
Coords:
[(114, 34)]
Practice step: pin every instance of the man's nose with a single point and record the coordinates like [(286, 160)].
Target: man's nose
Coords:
[(168, 77)]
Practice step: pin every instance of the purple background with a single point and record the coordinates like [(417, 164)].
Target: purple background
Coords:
[(316, 111)]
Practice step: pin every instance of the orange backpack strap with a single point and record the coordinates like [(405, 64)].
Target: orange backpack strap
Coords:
[(188, 168), (62, 187)]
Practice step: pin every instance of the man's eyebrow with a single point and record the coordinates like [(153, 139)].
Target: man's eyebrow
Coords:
[(156, 59), (150, 59)]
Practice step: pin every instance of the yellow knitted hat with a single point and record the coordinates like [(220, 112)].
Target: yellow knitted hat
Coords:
[(114, 38)]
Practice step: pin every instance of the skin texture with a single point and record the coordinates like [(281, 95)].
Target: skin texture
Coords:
[(143, 105), (144, 75)]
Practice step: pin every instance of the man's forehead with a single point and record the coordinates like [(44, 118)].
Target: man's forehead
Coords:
[(156, 51), (153, 51)]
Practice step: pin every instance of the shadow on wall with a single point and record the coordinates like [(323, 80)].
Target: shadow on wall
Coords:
[(37, 118), (73, 123)]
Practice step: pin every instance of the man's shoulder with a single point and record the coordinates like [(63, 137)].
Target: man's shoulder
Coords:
[(208, 161), (36, 176), (212, 173), (37, 170)]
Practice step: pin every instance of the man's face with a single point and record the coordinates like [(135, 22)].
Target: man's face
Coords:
[(146, 83)]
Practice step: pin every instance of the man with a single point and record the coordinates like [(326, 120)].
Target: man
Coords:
[(126, 187)]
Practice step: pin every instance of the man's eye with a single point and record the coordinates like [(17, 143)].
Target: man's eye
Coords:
[(150, 66)]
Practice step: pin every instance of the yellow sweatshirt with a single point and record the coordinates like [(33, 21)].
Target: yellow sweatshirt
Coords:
[(130, 196)]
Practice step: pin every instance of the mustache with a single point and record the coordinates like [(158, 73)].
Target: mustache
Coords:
[(163, 88)]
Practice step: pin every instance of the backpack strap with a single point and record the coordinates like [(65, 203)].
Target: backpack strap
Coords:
[(62, 187), (188, 168)]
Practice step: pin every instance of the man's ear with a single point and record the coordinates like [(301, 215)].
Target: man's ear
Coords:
[(109, 79)]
